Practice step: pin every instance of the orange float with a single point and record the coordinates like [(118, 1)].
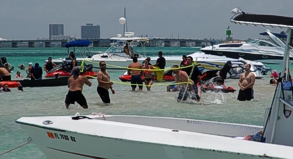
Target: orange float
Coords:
[(11, 84)]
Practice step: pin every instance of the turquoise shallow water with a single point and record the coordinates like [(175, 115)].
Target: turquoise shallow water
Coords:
[(158, 102)]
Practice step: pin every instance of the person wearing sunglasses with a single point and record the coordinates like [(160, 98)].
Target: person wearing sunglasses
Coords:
[(104, 83)]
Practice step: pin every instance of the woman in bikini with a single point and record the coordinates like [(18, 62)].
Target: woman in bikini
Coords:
[(148, 76)]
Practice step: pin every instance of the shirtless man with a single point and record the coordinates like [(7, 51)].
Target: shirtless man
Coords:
[(181, 77), (4, 73), (135, 74), (246, 82), (104, 83), (75, 84)]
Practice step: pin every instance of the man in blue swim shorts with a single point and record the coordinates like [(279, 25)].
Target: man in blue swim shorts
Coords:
[(134, 69)]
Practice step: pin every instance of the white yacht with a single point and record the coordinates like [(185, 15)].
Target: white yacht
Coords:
[(254, 49), (140, 137)]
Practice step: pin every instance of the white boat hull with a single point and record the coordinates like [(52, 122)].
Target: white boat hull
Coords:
[(133, 137)]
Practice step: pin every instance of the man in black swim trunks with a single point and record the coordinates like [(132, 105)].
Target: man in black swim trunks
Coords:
[(246, 82), (104, 83), (75, 84)]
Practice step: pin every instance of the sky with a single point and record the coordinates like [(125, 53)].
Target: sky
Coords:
[(194, 19)]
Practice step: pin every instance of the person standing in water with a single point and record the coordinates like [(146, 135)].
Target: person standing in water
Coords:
[(104, 83), (75, 85), (148, 76), (134, 69), (246, 82)]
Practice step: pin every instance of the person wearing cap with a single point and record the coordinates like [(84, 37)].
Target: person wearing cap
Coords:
[(28, 70), (36, 72), (226, 69), (75, 85)]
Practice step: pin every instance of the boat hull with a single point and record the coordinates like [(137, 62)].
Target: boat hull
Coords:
[(269, 59), (133, 137), (44, 82)]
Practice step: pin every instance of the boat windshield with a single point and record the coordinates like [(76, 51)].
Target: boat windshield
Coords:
[(260, 43)]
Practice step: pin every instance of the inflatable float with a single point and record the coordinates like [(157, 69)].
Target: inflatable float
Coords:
[(11, 84)]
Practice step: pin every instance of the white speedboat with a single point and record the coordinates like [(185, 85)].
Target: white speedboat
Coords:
[(121, 51), (132, 137), (254, 49)]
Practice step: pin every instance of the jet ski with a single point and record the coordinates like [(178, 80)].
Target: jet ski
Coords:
[(64, 70), (216, 84)]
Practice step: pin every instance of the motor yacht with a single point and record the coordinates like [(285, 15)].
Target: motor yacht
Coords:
[(254, 49)]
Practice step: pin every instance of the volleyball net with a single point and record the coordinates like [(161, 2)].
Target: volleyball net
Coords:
[(122, 75)]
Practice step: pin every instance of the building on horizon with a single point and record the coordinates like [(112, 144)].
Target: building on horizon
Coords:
[(90, 31), (56, 30)]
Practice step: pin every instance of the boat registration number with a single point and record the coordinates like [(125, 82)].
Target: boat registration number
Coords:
[(61, 136)]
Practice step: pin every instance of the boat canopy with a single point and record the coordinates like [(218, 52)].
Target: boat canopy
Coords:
[(129, 39), (276, 34), (78, 43), (241, 17)]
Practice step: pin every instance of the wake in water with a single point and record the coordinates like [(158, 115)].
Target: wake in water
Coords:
[(215, 97)]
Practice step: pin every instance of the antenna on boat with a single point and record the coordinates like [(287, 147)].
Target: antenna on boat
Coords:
[(125, 25)]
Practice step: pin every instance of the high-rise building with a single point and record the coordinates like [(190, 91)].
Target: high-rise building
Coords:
[(90, 31), (56, 30)]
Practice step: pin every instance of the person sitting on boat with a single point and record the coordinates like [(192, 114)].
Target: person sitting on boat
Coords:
[(4, 73), (49, 65), (36, 72), (28, 70), (18, 75), (6, 89), (148, 76), (126, 49), (226, 69)]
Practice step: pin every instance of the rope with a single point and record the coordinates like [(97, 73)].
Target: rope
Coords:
[(154, 84), (29, 139), (153, 70)]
